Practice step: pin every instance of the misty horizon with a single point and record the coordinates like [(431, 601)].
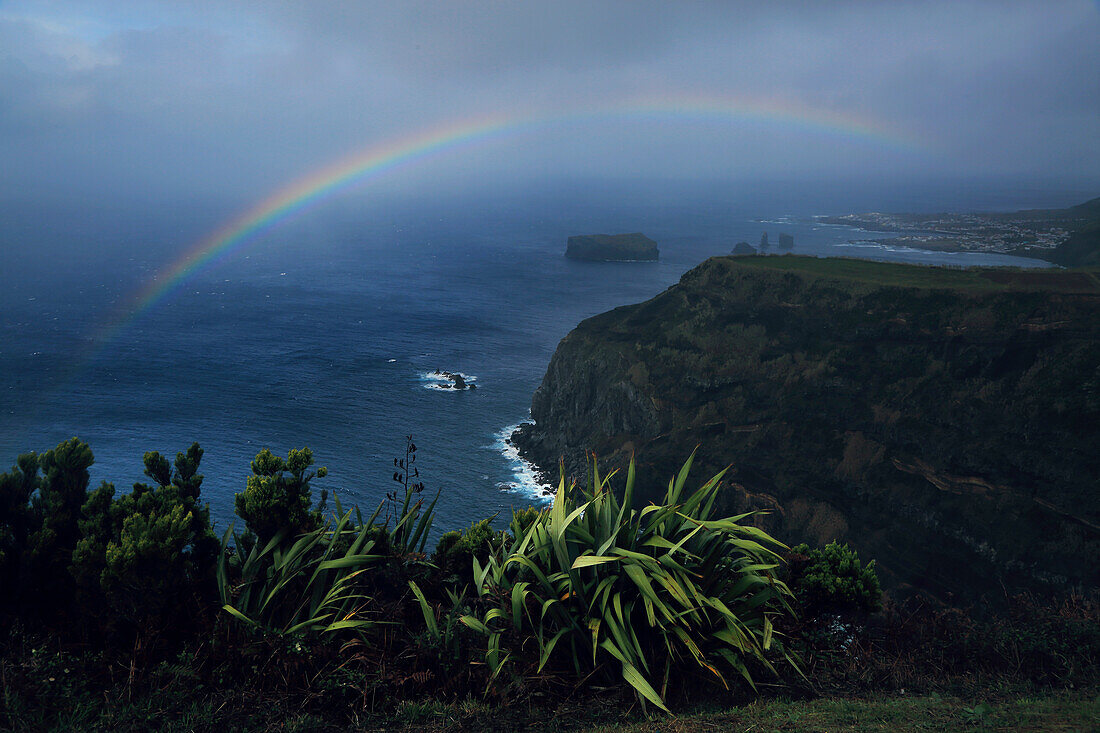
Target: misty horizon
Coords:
[(222, 101)]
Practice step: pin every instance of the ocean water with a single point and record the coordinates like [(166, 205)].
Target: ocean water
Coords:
[(329, 332)]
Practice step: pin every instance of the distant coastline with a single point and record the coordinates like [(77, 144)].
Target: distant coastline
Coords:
[(1068, 237)]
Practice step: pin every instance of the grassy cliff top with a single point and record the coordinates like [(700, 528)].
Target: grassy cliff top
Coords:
[(892, 274)]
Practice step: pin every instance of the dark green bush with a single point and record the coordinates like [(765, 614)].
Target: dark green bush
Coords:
[(16, 520), (832, 580), (150, 552), (39, 528), (522, 519), (456, 550), (277, 495), (88, 563)]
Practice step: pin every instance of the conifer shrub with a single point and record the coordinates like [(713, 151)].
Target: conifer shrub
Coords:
[(55, 511), (277, 495), (150, 553), (456, 550), (596, 585), (17, 521), (833, 580), (522, 519)]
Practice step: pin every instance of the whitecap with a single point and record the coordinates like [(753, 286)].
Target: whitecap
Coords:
[(862, 244)]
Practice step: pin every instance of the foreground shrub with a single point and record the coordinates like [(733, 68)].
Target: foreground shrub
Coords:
[(146, 555), (39, 525), (832, 581), (593, 582), (293, 573), (455, 552), (277, 495), (95, 562), (300, 585)]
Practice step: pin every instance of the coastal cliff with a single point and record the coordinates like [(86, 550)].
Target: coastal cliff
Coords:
[(944, 422), (612, 247)]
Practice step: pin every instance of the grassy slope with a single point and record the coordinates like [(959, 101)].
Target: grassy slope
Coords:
[(1082, 249), (1070, 712), (182, 710), (921, 276)]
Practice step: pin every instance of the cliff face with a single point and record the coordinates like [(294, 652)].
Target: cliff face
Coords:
[(943, 422), (612, 247)]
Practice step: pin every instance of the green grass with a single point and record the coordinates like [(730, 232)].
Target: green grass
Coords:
[(60, 699), (1067, 712), (924, 276)]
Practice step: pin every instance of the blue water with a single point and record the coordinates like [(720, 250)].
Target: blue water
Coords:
[(324, 333)]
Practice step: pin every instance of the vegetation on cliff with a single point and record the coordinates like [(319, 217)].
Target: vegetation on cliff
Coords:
[(941, 421), (558, 623), (590, 591)]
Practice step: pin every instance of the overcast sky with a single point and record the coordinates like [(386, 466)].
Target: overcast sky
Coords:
[(216, 97)]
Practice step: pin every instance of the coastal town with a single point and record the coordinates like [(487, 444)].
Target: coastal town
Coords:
[(1029, 233)]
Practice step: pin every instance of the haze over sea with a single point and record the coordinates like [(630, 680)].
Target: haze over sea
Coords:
[(323, 331)]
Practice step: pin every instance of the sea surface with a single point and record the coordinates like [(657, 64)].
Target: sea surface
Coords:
[(326, 332)]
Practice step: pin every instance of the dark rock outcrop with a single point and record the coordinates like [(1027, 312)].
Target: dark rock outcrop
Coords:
[(786, 242), (944, 422), (612, 247), (457, 381), (743, 248)]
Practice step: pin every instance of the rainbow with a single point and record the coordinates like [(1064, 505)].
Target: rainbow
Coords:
[(378, 160)]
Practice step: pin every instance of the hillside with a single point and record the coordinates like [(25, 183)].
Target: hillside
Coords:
[(942, 421), (1082, 249)]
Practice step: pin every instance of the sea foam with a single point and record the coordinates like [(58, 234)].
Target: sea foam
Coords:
[(525, 479), (439, 381)]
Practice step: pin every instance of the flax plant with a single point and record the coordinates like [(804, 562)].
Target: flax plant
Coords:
[(305, 585), (595, 582)]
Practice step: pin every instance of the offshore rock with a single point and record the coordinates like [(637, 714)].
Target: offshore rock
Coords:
[(612, 248), (943, 422)]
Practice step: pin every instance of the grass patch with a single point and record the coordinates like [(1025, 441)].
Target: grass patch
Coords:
[(1056, 712), (926, 276)]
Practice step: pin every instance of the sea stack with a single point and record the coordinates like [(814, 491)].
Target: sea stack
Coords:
[(635, 247)]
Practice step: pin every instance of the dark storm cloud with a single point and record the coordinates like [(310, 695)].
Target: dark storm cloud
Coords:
[(221, 97)]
